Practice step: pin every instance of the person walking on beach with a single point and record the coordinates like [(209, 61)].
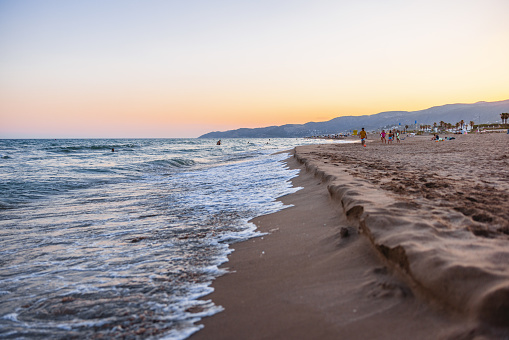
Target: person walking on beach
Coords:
[(391, 137), (363, 136), (397, 137), (383, 136)]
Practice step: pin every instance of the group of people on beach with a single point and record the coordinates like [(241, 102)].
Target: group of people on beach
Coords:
[(437, 138), (388, 138)]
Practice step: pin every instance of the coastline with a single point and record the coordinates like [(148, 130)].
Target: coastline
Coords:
[(390, 278)]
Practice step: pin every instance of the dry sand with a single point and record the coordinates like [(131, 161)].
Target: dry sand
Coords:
[(426, 255)]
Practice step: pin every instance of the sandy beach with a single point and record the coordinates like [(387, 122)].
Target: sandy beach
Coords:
[(402, 241)]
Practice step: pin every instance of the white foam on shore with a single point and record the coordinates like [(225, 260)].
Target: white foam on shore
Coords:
[(133, 232)]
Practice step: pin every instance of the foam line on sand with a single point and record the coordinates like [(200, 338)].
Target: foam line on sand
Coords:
[(382, 242)]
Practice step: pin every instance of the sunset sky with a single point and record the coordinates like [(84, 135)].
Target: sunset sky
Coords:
[(113, 68)]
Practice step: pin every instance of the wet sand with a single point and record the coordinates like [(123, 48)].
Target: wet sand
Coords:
[(397, 241)]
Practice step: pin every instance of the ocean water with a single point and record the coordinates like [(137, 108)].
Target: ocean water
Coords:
[(102, 244)]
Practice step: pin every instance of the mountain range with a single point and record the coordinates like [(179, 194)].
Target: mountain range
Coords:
[(480, 112)]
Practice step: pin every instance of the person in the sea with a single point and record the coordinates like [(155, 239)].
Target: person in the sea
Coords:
[(363, 135), (218, 142)]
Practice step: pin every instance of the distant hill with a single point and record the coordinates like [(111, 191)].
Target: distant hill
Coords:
[(483, 112)]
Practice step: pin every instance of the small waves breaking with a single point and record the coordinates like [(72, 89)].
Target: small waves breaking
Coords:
[(55, 148), (172, 163), (123, 244)]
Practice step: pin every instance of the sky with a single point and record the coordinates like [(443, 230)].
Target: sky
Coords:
[(124, 68)]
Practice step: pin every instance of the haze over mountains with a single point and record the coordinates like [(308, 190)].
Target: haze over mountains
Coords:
[(481, 112)]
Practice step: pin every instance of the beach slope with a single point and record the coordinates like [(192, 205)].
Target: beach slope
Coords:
[(383, 242)]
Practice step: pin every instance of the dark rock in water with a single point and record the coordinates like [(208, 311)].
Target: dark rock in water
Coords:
[(138, 239), (344, 232)]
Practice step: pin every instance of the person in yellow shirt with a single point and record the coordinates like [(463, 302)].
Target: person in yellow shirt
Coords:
[(363, 136)]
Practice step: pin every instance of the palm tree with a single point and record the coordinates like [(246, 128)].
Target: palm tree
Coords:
[(457, 126), (442, 123), (472, 124), (406, 128), (505, 117), (462, 122)]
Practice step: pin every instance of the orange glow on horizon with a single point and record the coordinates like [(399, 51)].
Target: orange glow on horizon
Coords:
[(179, 74)]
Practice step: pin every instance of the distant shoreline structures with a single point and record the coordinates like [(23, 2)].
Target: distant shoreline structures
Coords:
[(479, 113), (335, 136)]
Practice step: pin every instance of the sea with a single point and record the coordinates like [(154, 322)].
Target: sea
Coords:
[(122, 238)]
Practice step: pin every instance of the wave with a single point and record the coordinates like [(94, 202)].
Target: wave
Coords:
[(119, 146), (95, 170), (77, 148), (6, 205), (172, 162)]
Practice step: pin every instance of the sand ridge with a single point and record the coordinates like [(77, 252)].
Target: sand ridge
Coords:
[(437, 210), (304, 280), (352, 258)]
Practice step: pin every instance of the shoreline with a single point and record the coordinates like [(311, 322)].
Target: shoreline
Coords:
[(304, 280), (445, 229)]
